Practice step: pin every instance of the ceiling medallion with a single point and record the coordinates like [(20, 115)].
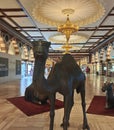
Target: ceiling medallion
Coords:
[(82, 12), (60, 38), (74, 38)]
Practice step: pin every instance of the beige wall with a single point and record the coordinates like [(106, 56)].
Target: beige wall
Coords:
[(12, 68)]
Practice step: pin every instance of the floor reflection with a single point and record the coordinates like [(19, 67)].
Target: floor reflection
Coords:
[(25, 82)]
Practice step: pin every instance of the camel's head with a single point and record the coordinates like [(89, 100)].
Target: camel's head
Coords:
[(107, 86), (41, 49)]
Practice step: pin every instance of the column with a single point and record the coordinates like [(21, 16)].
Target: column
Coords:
[(108, 68), (100, 68)]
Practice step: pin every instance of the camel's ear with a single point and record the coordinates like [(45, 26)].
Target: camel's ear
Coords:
[(34, 44)]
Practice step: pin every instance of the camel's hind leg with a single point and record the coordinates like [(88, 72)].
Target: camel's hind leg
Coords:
[(85, 123), (68, 103)]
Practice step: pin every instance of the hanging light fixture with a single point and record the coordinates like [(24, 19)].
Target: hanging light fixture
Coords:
[(68, 28)]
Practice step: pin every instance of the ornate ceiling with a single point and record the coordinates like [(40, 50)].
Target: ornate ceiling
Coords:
[(17, 18)]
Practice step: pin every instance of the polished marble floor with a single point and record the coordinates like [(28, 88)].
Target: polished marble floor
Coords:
[(12, 118)]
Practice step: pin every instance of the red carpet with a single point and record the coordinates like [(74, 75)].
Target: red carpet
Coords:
[(97, 106), (31, 109)]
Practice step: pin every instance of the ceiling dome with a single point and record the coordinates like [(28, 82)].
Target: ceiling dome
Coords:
[(84, 11)]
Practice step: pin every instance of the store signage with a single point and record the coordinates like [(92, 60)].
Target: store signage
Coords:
[(18, 67), (3, 67)]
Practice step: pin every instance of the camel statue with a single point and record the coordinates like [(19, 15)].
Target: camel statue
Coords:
[(65, 78), (109, 88), (33, 92)]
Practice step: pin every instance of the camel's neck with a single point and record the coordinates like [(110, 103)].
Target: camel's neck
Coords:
[(39, 69)]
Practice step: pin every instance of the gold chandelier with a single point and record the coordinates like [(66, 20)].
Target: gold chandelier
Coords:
[(68, 28)]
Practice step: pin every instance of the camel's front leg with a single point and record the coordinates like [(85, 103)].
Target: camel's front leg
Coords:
[(52, 110), (85, 123)]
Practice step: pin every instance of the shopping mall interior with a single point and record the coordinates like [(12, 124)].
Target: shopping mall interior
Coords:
[(81, 28)]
